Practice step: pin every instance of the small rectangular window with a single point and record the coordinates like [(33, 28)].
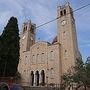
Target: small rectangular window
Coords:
[(38, 58), (52, 55), (33, 59), (43, 57), (66, 54)]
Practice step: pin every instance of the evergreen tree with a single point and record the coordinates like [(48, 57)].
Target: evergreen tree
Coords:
[(10, 48), (88, 72)]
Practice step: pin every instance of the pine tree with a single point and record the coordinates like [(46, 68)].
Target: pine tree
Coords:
[(10, 48)]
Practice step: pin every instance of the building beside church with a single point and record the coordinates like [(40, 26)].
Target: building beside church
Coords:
[(43, 63)]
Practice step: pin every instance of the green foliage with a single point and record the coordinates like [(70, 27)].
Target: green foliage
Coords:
[(67, 79), (9, 48), (88, 73), (80, 74)]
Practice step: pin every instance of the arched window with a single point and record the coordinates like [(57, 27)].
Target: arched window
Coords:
[(64, 11), (32, 29), (61, 13), (26, 27), (37, 78), (42, 78), (32, 78)]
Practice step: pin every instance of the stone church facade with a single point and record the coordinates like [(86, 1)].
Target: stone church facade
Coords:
[(43, 63)]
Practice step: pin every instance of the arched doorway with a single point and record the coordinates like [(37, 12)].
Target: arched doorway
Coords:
[(37, 78), (42, 78), (32, 78)]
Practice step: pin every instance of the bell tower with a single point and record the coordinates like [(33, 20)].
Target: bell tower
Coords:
[(27, 36), (67, 37)]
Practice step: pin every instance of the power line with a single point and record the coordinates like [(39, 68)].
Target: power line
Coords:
[(81, 7), (60, 17)]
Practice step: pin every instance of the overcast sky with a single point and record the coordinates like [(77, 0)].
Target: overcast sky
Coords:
[(41, 11)]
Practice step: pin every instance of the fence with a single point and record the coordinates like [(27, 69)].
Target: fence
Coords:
[(42, 88)]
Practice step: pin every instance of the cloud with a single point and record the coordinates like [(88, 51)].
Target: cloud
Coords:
[(41, 11), (85, 43), (12, 8), (4, 19)]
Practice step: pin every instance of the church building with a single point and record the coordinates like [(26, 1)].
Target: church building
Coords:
[(43, 63)]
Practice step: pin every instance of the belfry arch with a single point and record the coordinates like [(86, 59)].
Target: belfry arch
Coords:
[(42, 77)]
